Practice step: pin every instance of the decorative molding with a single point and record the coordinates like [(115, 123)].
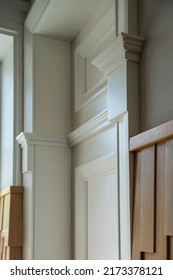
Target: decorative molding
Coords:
[(90, 128), (96, 35), (91, 95), (26, 138), (96, 28), (99, 167), (124, 47)]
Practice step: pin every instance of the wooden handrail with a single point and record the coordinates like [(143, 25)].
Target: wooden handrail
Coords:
[(11, 189), (152, 136)]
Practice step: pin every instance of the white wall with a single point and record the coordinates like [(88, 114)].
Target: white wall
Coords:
[(47, 86), (53, 85), (46, 157), (156, 66), (52, 203), (7, 118)]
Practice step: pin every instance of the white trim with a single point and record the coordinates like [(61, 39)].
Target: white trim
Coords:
[(100, 22), (105, 165), (96, 35), (91, 95), (124, 188), (89, 129), (124, 47), (26, 138)]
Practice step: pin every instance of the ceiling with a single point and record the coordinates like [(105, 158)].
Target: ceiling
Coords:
[(5, 42), (61, 18)]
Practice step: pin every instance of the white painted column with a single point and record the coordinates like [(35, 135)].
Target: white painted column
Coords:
[(47, 200), (46, 157), (119, 61)]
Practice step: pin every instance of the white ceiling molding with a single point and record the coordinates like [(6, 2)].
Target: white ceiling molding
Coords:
[(99, 28), (62, 19), (35, 14)]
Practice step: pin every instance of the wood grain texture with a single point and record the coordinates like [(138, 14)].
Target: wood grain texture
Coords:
[(1, 212), (11, 213), (15, 220), (136, 209), (160, 238), (15, 253), (6, 211), (147, 200), (155, 135), (169, 189), (152, 237)]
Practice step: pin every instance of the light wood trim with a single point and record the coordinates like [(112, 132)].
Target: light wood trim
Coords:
[(160, 238), (169, 189), (147, 200), (152, 136), (1, 212), (136, 254), (153, 194), (15, 221), (11, 223), (11, 189)]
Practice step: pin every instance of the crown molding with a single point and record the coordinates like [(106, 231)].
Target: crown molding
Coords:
[(35, 14), (26, 138), (123, 47), (89, 129)]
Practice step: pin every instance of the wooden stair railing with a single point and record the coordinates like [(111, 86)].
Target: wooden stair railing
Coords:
[(11, 223), (152, 217)]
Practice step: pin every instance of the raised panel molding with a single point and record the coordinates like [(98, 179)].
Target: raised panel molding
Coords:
[(96, 35), (96, 168)]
